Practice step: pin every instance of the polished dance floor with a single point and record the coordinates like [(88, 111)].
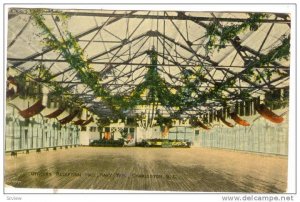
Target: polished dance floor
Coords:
[(160, 169)]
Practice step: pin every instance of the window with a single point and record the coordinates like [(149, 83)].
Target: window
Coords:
[(131, 130), (83, 128), (197, 132), (92, 129)]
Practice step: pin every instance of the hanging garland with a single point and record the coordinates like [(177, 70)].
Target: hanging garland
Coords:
[(159, 91), (163, 122), (218, 36)]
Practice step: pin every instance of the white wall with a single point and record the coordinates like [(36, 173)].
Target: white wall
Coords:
[(150, 133), (87, 136)]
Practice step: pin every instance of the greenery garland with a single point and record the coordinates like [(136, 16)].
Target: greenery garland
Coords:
[(218, 36), (158, 89)]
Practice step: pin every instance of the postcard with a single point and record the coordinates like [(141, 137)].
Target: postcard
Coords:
[(181, 100)]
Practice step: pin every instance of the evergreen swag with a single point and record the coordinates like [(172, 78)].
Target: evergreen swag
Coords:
[(219, 35), (158, 89)]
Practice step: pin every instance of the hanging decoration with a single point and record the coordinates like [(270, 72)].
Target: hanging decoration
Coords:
[(226, 122), (219, 35), (238, 120), (69, 118), (268, 114), (88, 121), (56, 113), (79, 122), (163, 121), (186, 96), (11, 88), (35, 109), (195, 122)]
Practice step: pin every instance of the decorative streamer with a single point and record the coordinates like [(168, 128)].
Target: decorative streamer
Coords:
[(238, 120), (55, 114), (69, 118), (226, 122), (88, 121), (79, 122), (10, 93), (268, 114), (12, 88), (33, 110), (203, 126), (197, 123)]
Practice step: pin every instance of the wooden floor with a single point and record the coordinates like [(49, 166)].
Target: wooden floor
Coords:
[(161, 169)]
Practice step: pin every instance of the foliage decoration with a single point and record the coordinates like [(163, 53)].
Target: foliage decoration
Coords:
[(219, 35), (157, 90)]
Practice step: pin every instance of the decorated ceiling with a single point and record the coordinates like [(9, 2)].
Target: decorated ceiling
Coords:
[(173, 63)]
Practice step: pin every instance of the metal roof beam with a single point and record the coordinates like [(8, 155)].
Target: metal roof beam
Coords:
[(146, 64), (179, 16), (76, 37)]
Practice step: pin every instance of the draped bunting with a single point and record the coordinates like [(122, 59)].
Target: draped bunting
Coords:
[(226, 122), (268, 114), (33, 110), (203, 126), (10, 93), (69, 118), (79, 122), (55, 114), (198, 123), (11, 80), (88, 121), (238, 120)]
